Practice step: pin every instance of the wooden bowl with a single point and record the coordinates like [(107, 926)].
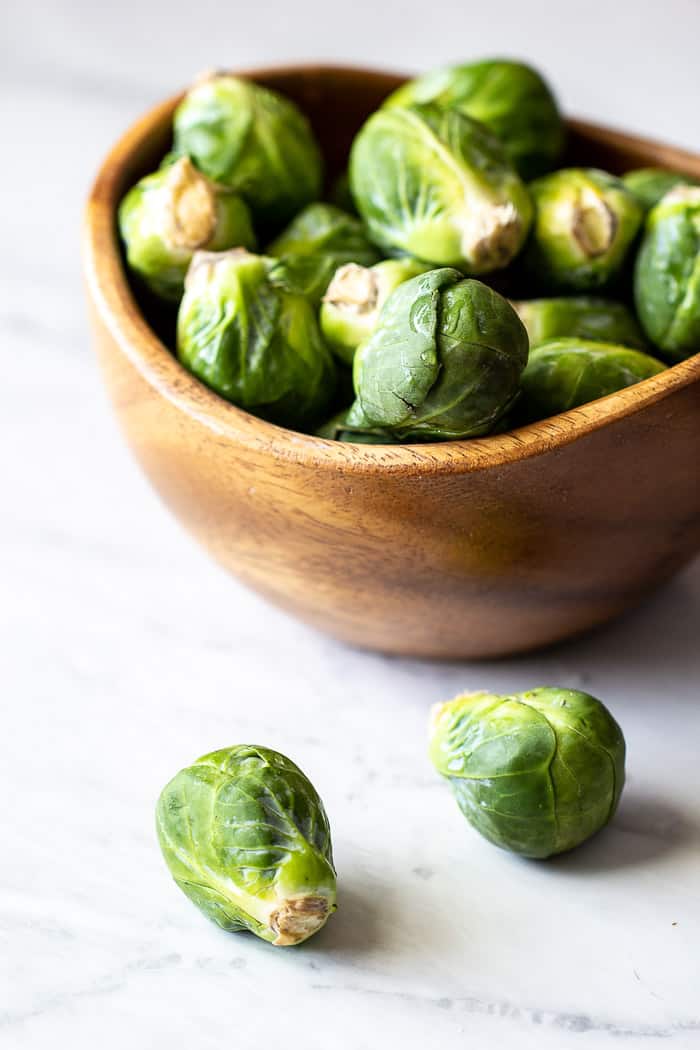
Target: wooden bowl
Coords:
[(464, 549)]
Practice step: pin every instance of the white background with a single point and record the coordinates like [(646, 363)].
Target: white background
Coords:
[(125, 653)]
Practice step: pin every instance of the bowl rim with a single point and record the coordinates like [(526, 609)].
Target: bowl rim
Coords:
[(117, 309)]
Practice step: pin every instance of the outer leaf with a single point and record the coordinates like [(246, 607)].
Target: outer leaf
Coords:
[(246, 837), (395, 369)]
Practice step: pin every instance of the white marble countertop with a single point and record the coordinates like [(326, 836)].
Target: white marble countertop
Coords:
[(126, 653)]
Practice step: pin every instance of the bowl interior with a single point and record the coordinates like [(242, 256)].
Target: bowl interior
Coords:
[(337, 100)]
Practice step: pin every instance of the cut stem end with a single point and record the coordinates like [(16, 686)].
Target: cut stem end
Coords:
[(297, 918)]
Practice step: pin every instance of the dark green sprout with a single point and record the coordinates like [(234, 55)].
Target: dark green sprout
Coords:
[(444, 361), (565, 373), (536, 773)]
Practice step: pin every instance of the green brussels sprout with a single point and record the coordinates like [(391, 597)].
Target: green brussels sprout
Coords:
[(246, 838), (444, 361), (172, 213), (581, 317), (319, 240), (536, 773), (436, 185), (667, 274), (585, 223), (649, 185), (252, 140), (336, 429), (565, 373), (253, 341), (510, 98), (354, 299)]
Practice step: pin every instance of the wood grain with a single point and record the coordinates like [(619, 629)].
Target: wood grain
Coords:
[(463, 549)]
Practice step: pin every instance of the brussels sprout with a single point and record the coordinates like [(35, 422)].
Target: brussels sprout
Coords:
[(565, 373), (252, 140), (336, 429), (354, 299), (667, 274), (437, 185), (582, 317), (246, 838), (170, 214), (444, 361), (319, 240), (649, 185), (585, 223), (252, 341), (510, 98), (536, 773)]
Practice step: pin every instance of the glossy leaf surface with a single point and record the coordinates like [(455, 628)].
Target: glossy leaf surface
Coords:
[(536, 773), (246, 838)]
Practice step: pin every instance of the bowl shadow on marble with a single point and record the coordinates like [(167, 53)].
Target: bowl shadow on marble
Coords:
[(659, 638), (645, 830), (657, 641)]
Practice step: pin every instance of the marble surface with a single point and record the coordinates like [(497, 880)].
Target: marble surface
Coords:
[(125, 653)]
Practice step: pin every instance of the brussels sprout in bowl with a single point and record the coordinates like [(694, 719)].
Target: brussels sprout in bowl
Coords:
[(174, 212), (562, 374), (667, 274), (444, 361), (510, 98), (463, 548), (437, 185), (585, 224), (252, 140), (252, 340)]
